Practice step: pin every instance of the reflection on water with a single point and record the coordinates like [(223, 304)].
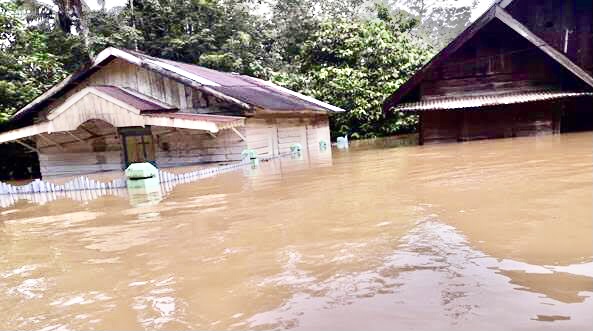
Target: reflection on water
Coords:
[(483, 235)]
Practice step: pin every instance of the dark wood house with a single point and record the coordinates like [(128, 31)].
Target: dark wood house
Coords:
[(127, 107), (523, 68)]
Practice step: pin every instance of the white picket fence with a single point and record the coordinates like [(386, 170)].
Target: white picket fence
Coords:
[(165, 176), (84, 188), (85, 183), (8, 200), (76, 184)]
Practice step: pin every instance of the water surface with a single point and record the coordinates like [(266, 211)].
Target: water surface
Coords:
[(483, 235)]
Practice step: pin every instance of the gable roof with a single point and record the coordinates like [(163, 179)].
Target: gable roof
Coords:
[(495, 12), (244, 91)]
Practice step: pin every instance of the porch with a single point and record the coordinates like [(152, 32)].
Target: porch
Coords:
[(105, 128)]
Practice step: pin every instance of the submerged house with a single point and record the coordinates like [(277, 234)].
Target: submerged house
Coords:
[(128, 107), (523, 68)]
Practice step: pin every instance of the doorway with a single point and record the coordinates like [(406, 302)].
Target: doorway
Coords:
[(138, 144)]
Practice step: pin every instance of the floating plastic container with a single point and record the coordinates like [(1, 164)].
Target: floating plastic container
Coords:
[(141, 171), (342, 142), (144, 191)]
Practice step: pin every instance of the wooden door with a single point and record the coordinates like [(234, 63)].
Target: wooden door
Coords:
[(138, 146)]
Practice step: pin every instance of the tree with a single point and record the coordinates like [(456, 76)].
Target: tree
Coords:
[(355, 65), (439, 21), (27, 66)]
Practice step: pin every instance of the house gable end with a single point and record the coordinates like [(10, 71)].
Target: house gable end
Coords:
[(411, 90)]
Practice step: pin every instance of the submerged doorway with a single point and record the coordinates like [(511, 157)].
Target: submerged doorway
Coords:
[(138, 144)]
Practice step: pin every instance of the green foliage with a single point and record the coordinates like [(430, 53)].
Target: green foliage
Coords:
[(324, 48), (27, 66), (355, 65)]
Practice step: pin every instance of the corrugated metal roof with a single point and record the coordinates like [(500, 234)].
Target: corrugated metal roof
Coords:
[(243, 89), (136, 100), (252, 91), (487, 100)]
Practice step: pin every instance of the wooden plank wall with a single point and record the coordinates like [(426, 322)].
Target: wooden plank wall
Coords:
[(99, 151), (272, 136), (180, 147), (267, 136), (122, 74), (92, 107), (101, 148), (550, 20), (440, 126), (497, 60), (496, 122)]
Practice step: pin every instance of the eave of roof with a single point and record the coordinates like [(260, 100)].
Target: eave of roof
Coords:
[(142, 110), (477, 101), (219, 84), (496, 11)]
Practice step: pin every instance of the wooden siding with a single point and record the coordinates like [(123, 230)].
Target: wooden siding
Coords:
[(99, 150), (499, 61), (180, 147), (493, 122), (273, 136), (123, 74), (567, 25)]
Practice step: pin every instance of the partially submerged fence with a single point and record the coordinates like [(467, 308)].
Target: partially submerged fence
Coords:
[(86, 183), (84, 188)]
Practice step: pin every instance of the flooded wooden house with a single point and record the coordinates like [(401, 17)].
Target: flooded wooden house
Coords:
[(127, 107), (523, 68)]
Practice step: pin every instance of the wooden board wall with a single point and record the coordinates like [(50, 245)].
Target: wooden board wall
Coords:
[(101, 147), (552, 19), (99, 151), (495, 122), (272, 136), (496, 60), (180, 147), (123, 74)]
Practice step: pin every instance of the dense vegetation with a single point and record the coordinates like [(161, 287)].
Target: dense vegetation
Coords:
[(350, 53)]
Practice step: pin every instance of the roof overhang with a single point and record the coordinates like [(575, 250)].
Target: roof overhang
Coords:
[(496, 11), (477, 101), (119, 109), (176, 71)]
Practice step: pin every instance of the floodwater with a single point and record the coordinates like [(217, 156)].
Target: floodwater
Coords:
[(485, 235)]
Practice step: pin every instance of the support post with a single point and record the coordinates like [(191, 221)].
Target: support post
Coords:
[(239, 134)]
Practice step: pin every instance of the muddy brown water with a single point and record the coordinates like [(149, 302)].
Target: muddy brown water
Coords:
[(485, 235)]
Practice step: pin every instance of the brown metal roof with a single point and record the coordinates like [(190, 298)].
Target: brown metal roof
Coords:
[(136, 100), (243, 90), (468, 102), (247, 89)]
